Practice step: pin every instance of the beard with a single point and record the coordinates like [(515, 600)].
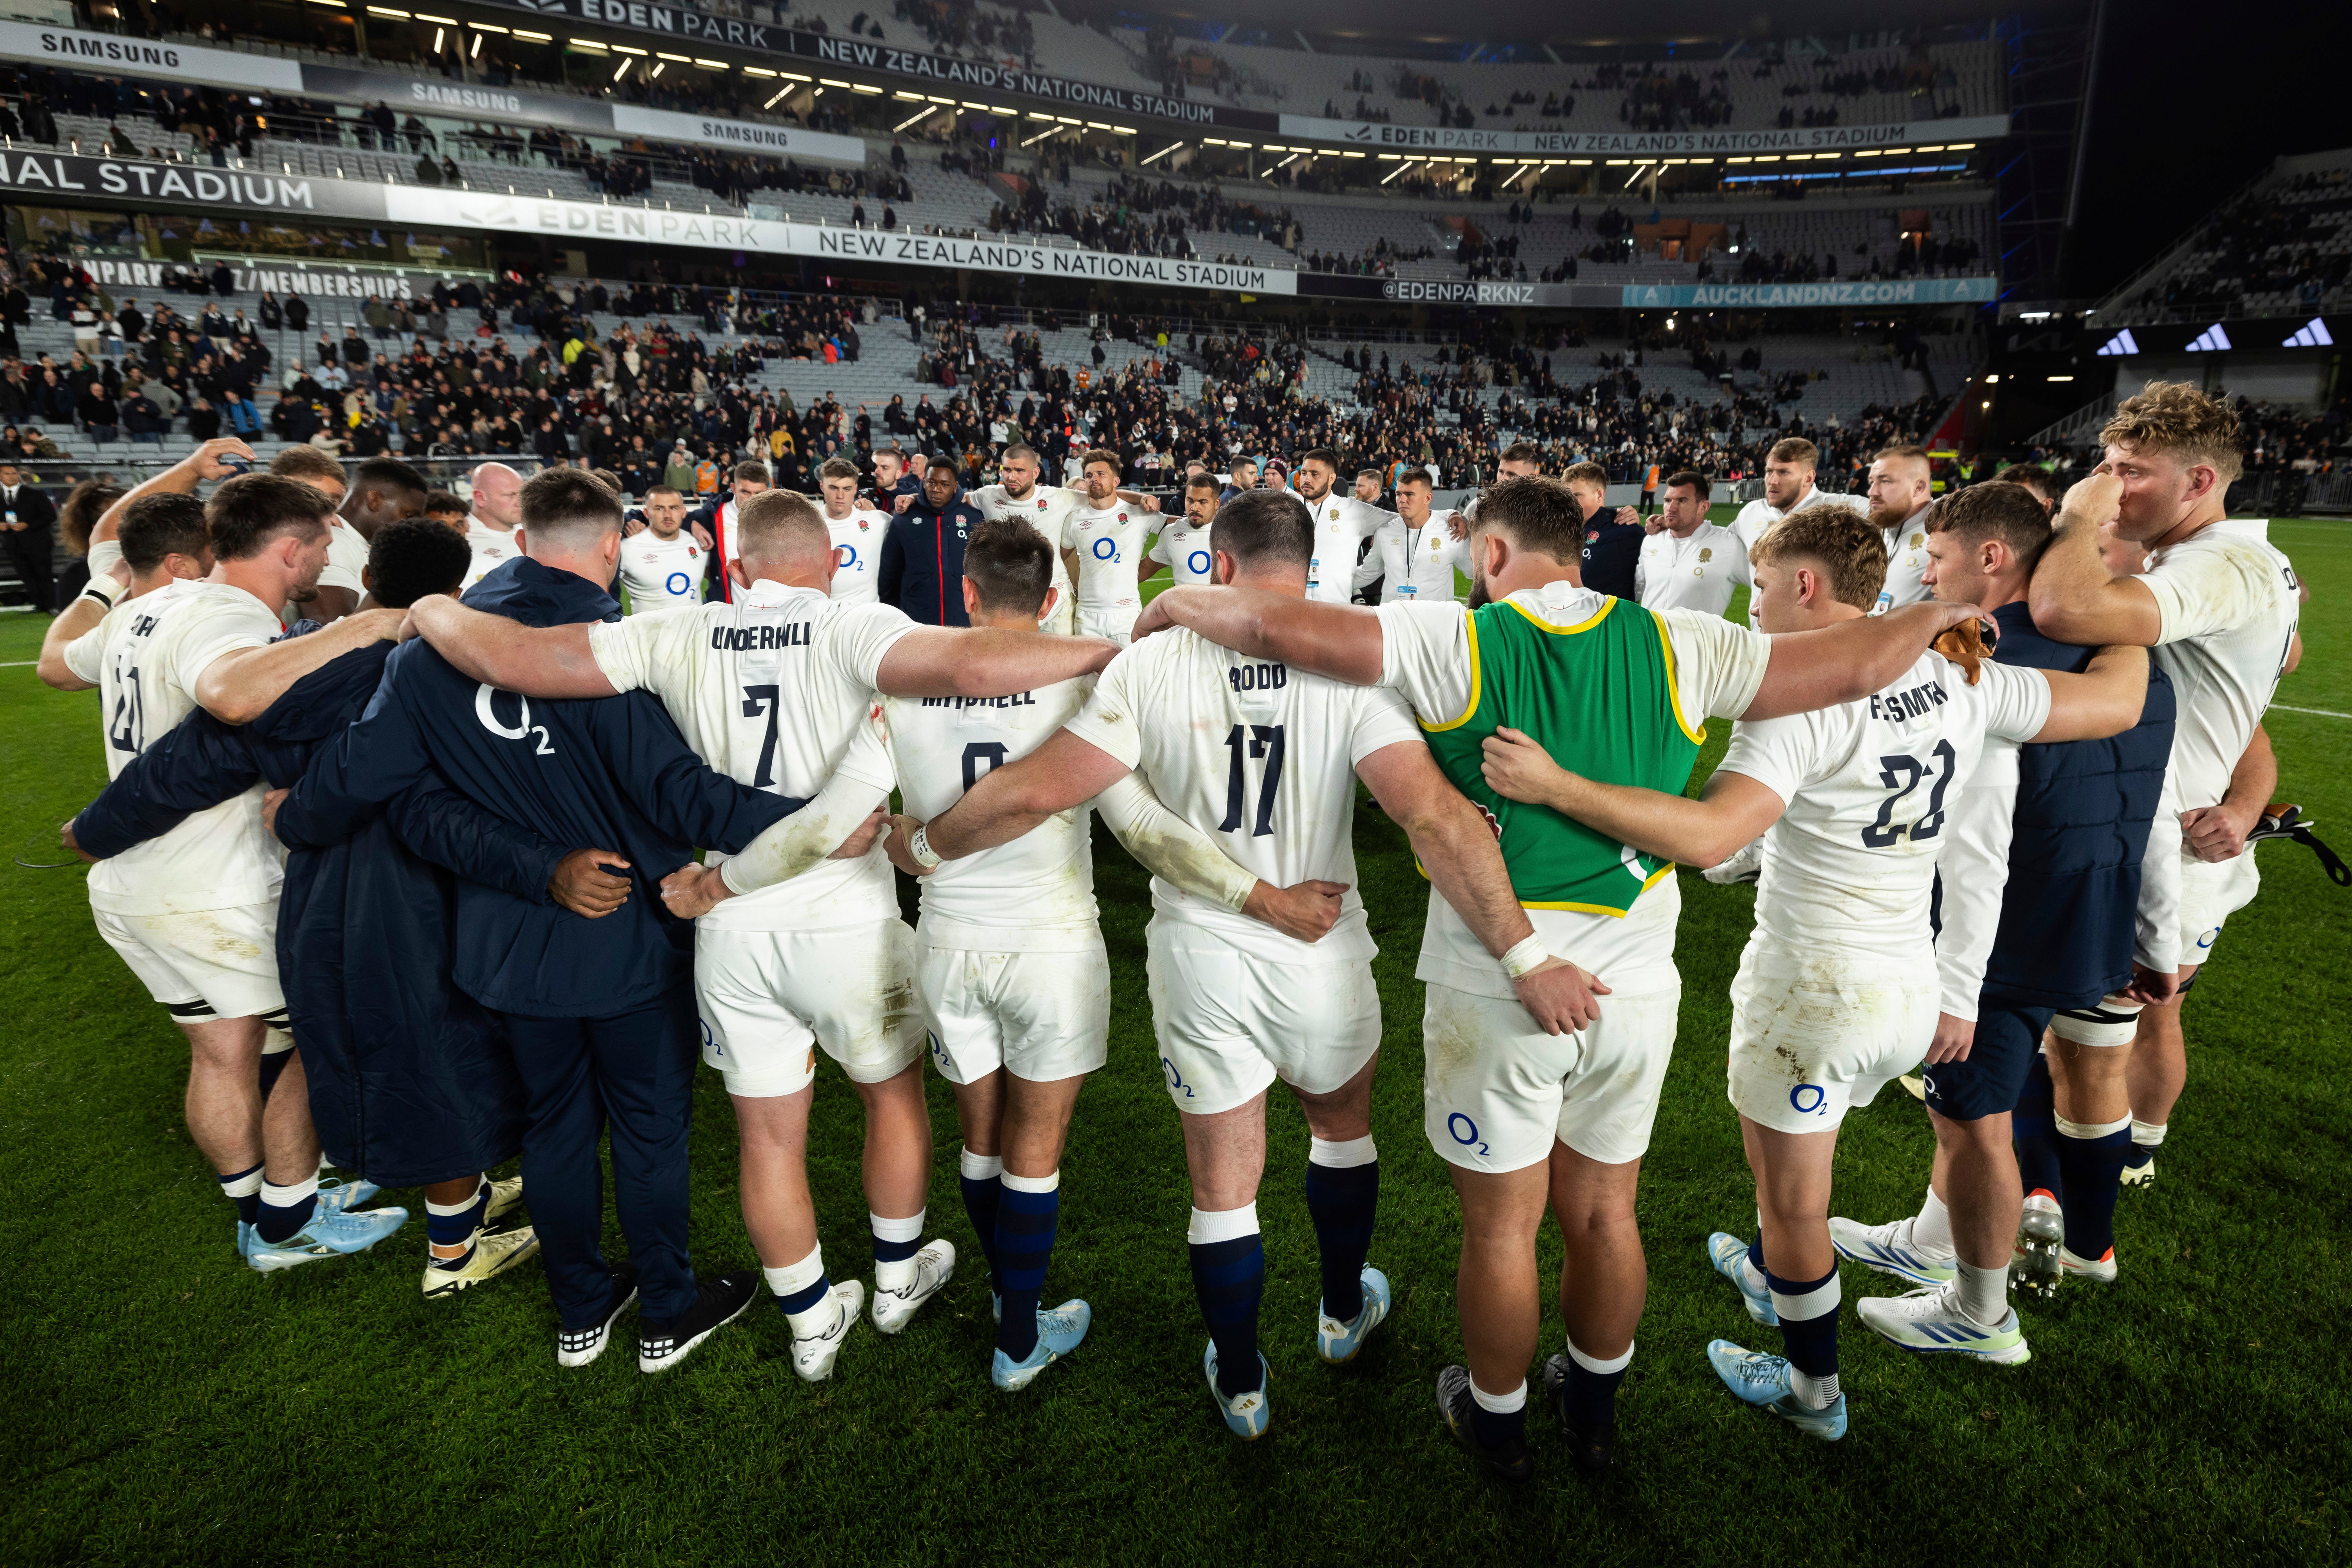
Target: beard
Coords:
[(1480, 597), (1883, 518)]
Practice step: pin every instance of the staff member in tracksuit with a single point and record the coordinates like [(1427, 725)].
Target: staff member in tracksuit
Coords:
[(922, 555), (2038, 901), (600, 1014)]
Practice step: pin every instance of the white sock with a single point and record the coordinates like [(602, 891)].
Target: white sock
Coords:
[(2085, 1130), (1596, 1363), (1344, 1155), (1752, 1278), (2148, 1134), (1813, 1393), (1044, 1184), (794, 1278), (980, 1167), (1500, 1404), (1984, 1293), (897, 1277), (1931, 1232), (1221, 1225), (286, 1197)]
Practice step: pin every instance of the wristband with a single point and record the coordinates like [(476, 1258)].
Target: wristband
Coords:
[(919, 846), (1525, 956), (94, 592)]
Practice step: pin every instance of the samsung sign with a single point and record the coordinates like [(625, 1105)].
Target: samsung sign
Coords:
[(1645, 145)]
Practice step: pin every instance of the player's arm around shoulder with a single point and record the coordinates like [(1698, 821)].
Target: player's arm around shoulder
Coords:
[(1729, 813), (238, 687), (985, 661), (1341, 641), (2106, 699), (536, 661), (2073, 597)]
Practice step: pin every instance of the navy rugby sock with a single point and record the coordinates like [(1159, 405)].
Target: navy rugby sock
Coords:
[(242, 1188), (1809, 1315), (983, 1181), (2033, 1132), (1026, 1223), (1229, 1277), (1343, 1190), (2092, 1156), (286, 1210)]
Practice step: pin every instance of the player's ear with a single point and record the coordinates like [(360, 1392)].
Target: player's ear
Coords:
[(1052, 597), (971, 600)]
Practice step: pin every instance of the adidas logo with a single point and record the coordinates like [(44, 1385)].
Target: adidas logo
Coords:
[(2122, 344), (1953, 1334), (2212, 341), (2312, 334)]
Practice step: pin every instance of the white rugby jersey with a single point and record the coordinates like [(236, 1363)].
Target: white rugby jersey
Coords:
[(1034, 894), (145, 658), (1425, 655), (1184, 550), (347, 557), (1047, 508), (662, 574), (1109, 542), (857, 554), (1906, 564), (1415, 565), (773, 690), (1341, 524), (1872, 788), (492, 548), (1258, 756), (1760, 514), (1694, 573), (2228, 602)]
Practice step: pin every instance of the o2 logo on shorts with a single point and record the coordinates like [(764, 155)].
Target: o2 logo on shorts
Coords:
[(939, 1049), (1106, 549), (678, 583), (1810, 1100), (2207, 939), (1175, 1078), (1465, 1131), (709, 1040)]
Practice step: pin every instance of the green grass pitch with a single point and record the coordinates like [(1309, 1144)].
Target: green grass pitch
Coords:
[(167, 1405)]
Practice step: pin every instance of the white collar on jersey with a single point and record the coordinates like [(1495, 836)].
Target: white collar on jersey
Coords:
[(765, 593)]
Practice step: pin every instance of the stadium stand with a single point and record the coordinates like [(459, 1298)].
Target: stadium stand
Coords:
[(2282, 245)]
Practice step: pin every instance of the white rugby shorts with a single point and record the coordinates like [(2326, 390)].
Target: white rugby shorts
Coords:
[(1116, 622), (1810, 1039), (770, 999), (1497, 1091), (2210, 892), (1041, 1016), (1229, 1023), (203, 963)]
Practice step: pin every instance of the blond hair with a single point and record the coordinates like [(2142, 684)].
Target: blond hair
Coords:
[(1846, 544), (2176, 418), (1794, 449)]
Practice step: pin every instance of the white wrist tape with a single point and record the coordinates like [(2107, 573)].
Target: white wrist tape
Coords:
[(920, 846), (1526, 955), (103, 590)]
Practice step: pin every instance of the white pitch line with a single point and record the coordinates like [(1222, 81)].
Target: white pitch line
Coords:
[(2321, 712), (20, 664)]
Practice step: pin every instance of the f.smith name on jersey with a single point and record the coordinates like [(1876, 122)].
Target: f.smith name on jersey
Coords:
[(1895, 707), (751, 639)]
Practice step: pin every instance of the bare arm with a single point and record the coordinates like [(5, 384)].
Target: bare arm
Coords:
[(237, 688), (2073, 597), (1010, 800), (984, 661), (1342, 641), (538, 661), (1730, 812), (1455, 845), (2106, 699), (72, 623), (2218, 832), (180, 480), (1811, 671)]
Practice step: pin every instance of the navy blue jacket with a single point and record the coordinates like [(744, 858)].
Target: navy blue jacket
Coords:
[(608, 774), (410, 1080), (2084, 807), (922, 561), (1611, 551)]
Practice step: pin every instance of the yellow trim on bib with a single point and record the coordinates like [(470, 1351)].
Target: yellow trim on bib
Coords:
[(1607, 604), (1674, 687), (1470, 628)]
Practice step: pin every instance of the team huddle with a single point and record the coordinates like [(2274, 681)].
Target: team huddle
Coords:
[(444, 880)]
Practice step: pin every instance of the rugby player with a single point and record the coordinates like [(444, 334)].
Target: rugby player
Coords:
[(1105, 554), (857, 532), (1413, 560), (194, 911), (1611, 555), (1265, 758), (2219, 605), (775, 690), (716, 521), (1836, 992), (1788, 469), (662, 567), (1901, 490), (1341, 524), (1182, 545), (1687, 562), (1524, 1108), (1046, 508), (494, 523)]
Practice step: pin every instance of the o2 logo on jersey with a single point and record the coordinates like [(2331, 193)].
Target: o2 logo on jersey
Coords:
[(487, 712), (1810, 1100), (1106, 549), (679, 584), (845, 558), (1465, 1131), (1197, 564)]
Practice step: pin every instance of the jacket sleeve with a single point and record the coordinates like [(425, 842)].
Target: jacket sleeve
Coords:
[(196, 764), (665, 781), (1973, 871), (444, 827), (383, 755), (894, 565)]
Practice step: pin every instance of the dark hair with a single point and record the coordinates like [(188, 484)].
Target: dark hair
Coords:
[(1099, 455), (294, 462), (1011, 565), (1323, 455), (1521, 452), (837, 469), (1691, 479), (439, 501), (389, 474), (1416, 477), (87, 503), (1204, 480), (567, 505), (1263, 529), (161, 523), (757, 471), (2001, 509), (1537, 512), (250, 510), (414, 557)]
